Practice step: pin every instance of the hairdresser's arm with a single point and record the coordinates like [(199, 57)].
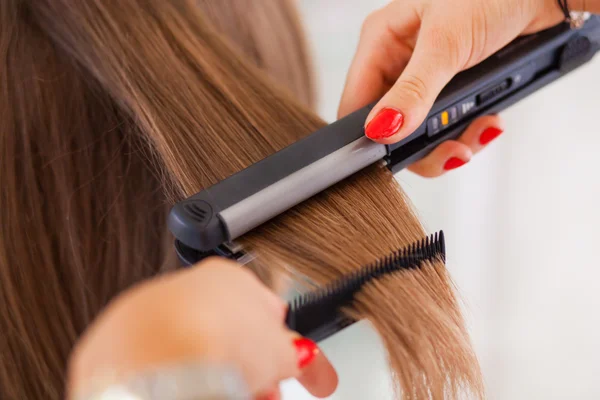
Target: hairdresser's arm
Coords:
[(213, 330), (410, 49)]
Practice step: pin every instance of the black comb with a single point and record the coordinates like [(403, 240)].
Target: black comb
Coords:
[(316, 314)]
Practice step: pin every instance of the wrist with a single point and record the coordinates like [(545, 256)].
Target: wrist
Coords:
[(592, 6), (547, 13), (177, 382)]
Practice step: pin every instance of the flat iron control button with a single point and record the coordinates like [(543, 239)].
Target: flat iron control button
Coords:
[(433, 125), (453, 112), (494, 91), (466, 106)]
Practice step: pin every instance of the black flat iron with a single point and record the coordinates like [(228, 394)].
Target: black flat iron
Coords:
[(209, 222)]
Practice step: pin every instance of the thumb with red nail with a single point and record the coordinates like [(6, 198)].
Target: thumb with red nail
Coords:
[(212, 316)]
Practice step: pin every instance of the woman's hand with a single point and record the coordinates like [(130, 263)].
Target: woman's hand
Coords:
[(217, 312), (412, 48)]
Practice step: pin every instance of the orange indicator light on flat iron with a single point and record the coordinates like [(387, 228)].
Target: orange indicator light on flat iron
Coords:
[(445, 118)]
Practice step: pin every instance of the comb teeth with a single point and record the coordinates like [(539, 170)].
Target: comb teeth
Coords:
[(316, 314)]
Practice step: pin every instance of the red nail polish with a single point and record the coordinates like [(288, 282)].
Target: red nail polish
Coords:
[(273, 396), (453, 163), (386, 123), (307, 351), (489, 134)]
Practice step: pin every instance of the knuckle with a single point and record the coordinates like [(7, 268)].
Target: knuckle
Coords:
[(449, 44), (455, 50), (477, 38), (370, 22), (424, 170), (415, 87), (215, 261)]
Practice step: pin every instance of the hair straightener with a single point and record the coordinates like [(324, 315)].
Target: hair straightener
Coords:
[(209, 222)]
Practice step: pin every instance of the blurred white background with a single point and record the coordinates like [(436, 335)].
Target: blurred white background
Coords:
[(521, 222)]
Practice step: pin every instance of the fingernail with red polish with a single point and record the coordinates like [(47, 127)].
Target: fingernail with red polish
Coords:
[(273, 396), (386, 123), (489, 134), (307, 351), (454, 163)]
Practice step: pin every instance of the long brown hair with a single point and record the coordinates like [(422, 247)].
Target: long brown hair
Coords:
[(111, 110)]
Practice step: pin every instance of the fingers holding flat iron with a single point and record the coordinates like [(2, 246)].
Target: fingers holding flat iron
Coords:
[(453, 154), (436, 59), (386, 43), (482, 132), (449, 155)]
